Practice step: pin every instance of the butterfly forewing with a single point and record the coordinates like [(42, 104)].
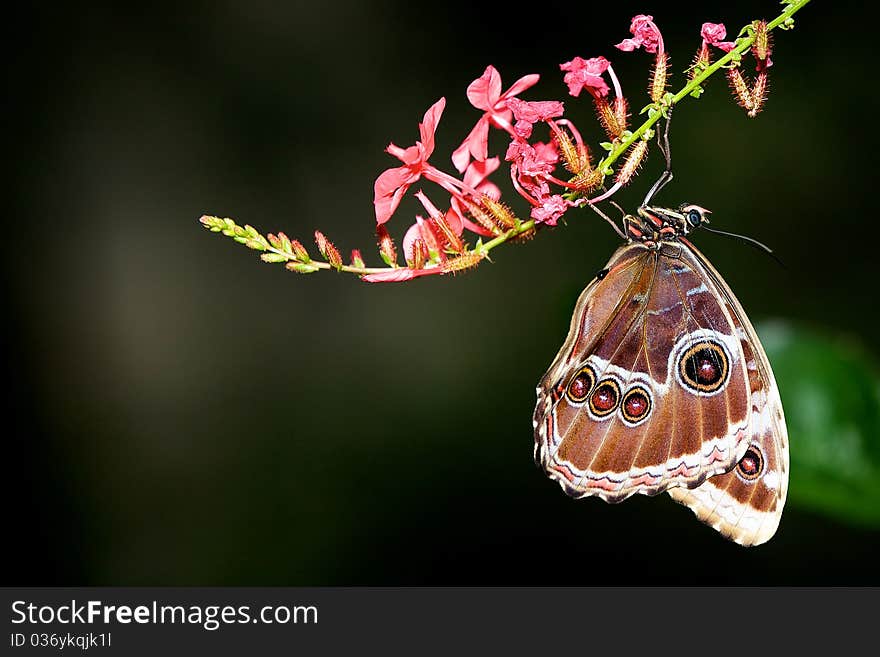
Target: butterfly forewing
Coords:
[(649, 389)]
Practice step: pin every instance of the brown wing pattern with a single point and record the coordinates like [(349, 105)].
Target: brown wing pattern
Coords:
[(650, 388), (746, 503)]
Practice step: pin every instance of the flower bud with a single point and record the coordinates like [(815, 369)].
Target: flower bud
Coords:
[(386, 246), (658, 77), (328, 250), (632, 163), (740, 89), (419, 254), (299, 251), (463, 262), (356, 259)]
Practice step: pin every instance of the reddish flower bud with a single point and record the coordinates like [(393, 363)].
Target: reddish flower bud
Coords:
[(386, 246), (419, 254), (356, 259), (701, 61), (328, 250), (761, 46), (299, 251), (740, 89)]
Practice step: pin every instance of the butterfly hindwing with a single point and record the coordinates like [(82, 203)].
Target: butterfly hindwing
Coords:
[(745, 504), (650, 389)]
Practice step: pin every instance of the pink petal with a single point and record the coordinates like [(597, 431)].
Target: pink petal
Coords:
[(628, 45), (428, 126), (477, 172), (412, 234), (453, 218), (427, 204), (399, 275), (712, 33), (550, 210), (388, 190), (521, 85), (485, 91), (476, 144)]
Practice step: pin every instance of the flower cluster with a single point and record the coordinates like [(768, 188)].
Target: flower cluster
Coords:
[(548, 162)]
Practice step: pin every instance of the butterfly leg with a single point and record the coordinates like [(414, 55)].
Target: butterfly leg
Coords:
[(663, 144), (608, 219)]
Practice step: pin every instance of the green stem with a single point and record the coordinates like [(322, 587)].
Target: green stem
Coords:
[(742, 45)]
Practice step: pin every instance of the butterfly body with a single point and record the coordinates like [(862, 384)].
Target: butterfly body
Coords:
[(662, 385)]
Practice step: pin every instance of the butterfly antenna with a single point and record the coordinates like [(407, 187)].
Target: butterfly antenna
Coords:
[(663, 144), (748, 240)]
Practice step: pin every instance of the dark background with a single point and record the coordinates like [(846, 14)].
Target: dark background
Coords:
[(181, 413)]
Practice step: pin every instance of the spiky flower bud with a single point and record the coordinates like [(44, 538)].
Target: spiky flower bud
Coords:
[(658, 76), (482, 217), (759, 94), (444, 231), (386, 246), (463, 262), (299, 251), (632, 163), (575, 156), (328, 250), (701, 61), (761, 44), (588, 181), (419, 254), (502, 215), (740, 89)]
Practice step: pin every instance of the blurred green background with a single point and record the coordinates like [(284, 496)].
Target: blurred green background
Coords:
[(184, 414)]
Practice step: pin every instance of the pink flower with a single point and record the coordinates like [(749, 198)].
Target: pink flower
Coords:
[(586, 74), (713, 34), (551, 208), (392, 184), (529, 160), (528, 113), (485, 94), (645, 35), (546, 152)]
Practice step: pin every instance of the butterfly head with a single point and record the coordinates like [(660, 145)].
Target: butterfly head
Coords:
[(694, 216), (655, 224)]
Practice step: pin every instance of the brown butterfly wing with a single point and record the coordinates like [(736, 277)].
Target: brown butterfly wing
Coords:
[(650, 388), (746, 504)]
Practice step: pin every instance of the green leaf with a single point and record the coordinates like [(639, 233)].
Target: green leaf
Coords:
[(830, 389)]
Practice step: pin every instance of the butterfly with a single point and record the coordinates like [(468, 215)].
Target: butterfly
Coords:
[(663, 385)]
